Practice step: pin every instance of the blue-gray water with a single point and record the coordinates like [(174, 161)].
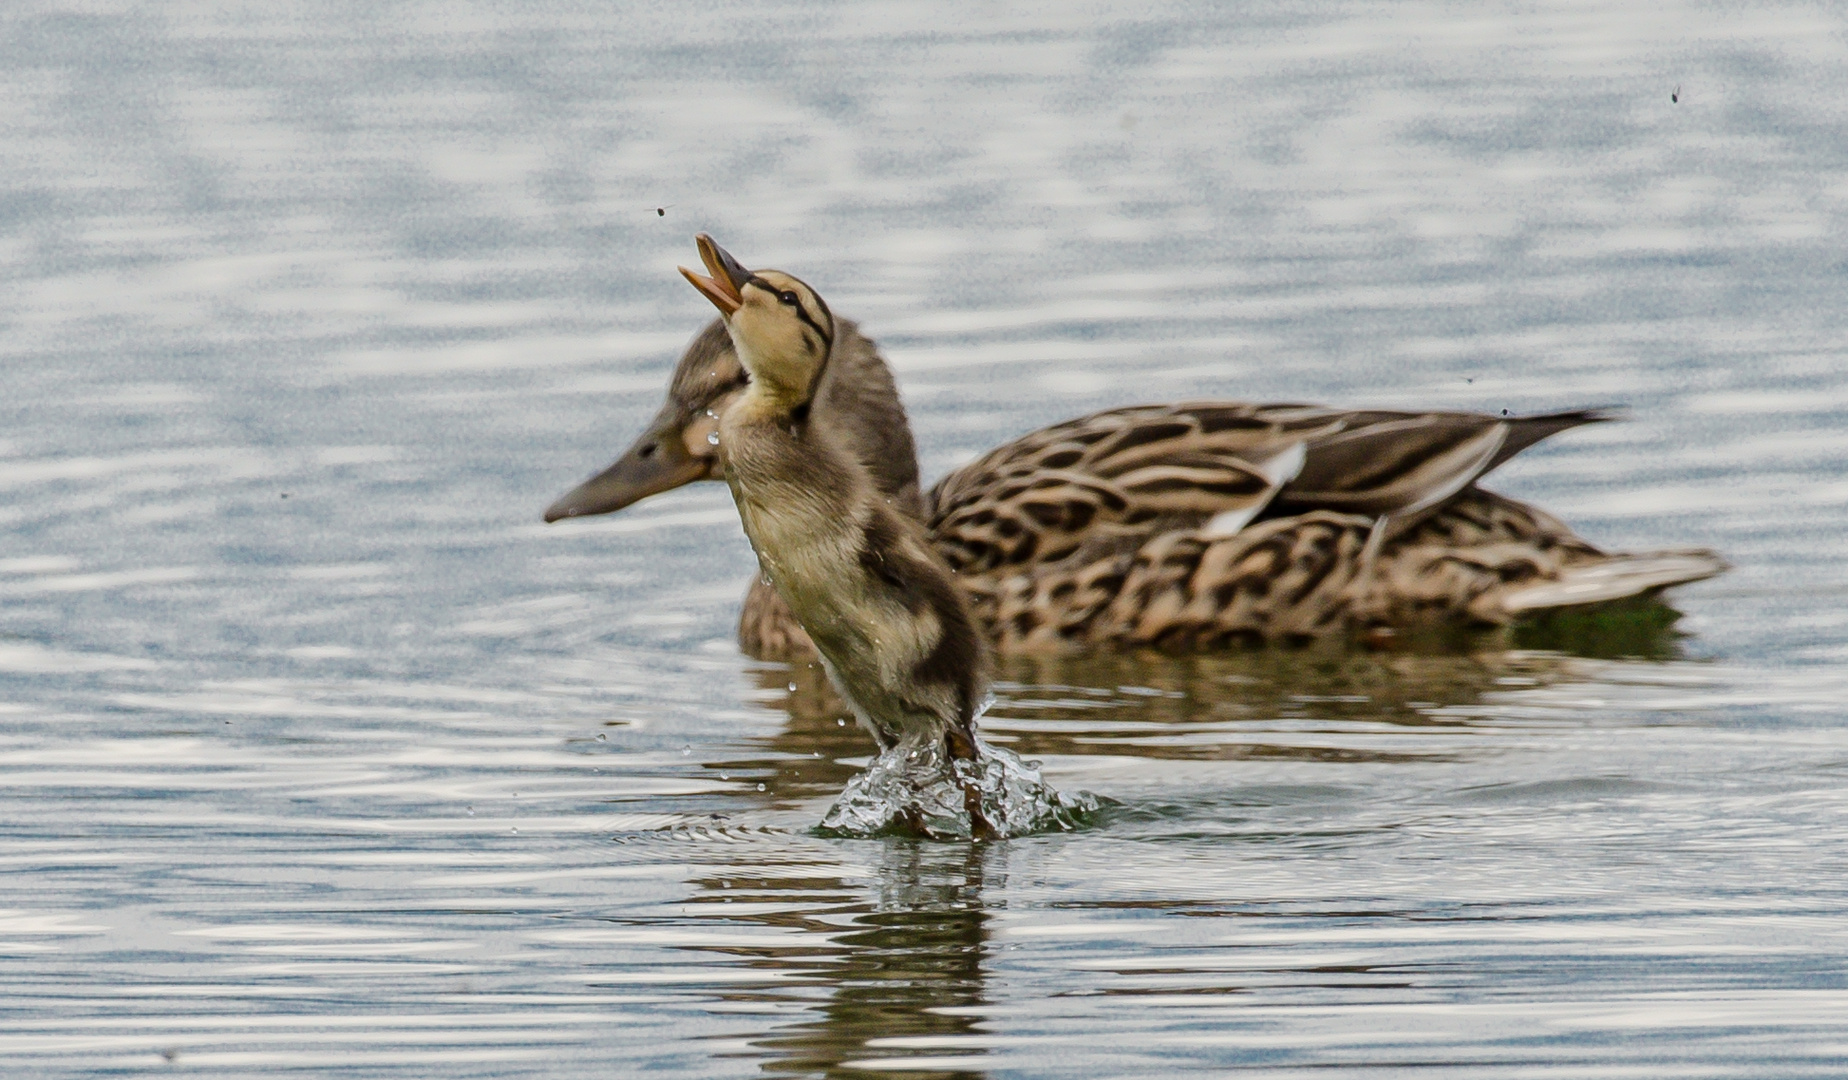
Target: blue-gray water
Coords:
[(318, 751)]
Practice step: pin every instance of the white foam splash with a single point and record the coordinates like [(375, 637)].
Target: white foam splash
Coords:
[(917, 788)]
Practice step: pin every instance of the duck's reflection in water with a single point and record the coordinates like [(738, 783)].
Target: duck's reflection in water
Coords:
[(900, 978), (1222, 705), (890, 973)]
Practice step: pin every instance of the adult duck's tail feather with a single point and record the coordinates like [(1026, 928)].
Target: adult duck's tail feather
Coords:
[(1614, 577)]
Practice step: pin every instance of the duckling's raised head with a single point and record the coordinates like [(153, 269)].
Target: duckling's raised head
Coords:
[(782, 331)]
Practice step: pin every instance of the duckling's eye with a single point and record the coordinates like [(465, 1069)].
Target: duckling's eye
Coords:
[(788, 296)]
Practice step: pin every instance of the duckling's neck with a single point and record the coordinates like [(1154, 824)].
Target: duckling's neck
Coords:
[(775, 391), (793, 483), (768, 403)]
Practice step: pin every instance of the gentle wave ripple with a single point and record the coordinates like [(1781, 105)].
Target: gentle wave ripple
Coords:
[(319, 753)]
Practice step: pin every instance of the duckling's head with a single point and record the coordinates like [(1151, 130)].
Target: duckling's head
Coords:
[(782, 331)]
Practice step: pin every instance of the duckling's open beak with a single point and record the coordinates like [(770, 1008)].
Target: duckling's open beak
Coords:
[(660, 460), (725, 288)]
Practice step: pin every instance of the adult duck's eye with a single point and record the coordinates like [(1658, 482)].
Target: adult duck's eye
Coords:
[(787, 297)]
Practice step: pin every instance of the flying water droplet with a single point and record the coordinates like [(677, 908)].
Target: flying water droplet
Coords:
[(760, 787), (712, 437), (686, 750), (725, 776), (602, 737), (840, 721), (792, 688)]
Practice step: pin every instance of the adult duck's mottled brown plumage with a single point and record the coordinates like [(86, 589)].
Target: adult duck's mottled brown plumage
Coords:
[(1191, 525), (1210, 523)]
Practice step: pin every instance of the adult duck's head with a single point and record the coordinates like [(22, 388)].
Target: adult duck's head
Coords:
[(782, 331), (680, 445)]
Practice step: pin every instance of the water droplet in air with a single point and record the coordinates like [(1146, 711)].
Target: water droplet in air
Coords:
[(840, 721), (760, 787), (686, 750), (602, 737), (712, 437), (516, 830), (725, 776), (792, 688), (471, 811)]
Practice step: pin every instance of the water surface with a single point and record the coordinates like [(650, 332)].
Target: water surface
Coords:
[(320, 752)]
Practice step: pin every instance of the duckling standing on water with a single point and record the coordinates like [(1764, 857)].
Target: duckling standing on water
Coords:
[(880, 604)]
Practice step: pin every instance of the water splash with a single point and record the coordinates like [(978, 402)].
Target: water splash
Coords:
[(917, 788)]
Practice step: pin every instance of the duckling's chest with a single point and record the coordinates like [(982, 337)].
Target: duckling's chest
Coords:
[(800, 507)]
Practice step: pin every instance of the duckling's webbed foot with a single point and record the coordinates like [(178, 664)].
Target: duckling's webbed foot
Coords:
[(961, 747), (979, 826)]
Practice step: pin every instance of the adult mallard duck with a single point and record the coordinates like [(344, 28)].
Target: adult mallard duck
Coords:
[(1180, 526)]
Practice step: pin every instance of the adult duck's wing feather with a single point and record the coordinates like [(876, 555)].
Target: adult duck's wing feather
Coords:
[(1040, 497), (1404, 465), (1118, 441), (1381, 465), (1218, 464)]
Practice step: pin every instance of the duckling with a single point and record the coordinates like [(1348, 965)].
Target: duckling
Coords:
[(879, 603), (1192, 525)]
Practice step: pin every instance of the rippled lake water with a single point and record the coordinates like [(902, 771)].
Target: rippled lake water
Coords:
[(320, 752)]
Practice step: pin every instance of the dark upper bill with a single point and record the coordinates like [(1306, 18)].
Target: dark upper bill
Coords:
[(725, 286)]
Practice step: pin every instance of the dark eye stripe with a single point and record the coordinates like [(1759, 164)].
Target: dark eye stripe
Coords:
[(802, 312)]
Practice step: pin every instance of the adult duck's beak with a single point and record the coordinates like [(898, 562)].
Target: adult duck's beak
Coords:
[(670, 453), (725, 288)]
